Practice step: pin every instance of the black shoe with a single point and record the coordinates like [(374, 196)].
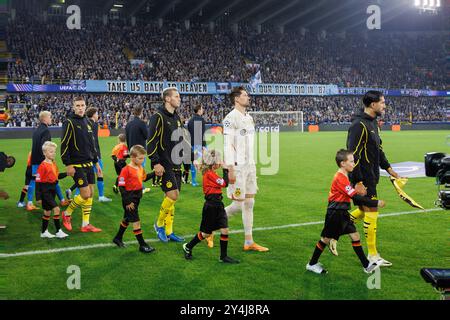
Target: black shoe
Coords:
[(146, 249), (115, 189), (187, 252), (119, 243), (228, 259)]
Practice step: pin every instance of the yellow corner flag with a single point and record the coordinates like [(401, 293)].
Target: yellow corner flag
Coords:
[(399, 185)]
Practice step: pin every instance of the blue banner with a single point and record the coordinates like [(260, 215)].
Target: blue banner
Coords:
[(394, 92), (209, 88), (215, 88), (149, 87), (73, 86)]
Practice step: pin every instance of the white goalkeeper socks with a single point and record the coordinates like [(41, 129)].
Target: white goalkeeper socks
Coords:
[(247, 216), (234, 208)]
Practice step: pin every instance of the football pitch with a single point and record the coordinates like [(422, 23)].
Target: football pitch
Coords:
[(289, 210)]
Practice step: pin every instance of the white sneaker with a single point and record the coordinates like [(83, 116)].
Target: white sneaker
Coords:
[(69, 194), (60, 234), (375, 258), (316, 268), (104, 199), (373, 266), (20, 204), (47, 234), (333, 247), (145, 190)]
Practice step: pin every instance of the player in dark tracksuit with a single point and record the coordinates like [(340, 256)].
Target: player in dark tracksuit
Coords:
[(136, 132), (166, 133), (197, 128), (92, 115), (364, 141), (79, 154)]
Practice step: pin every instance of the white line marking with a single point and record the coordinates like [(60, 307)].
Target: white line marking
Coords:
[(104, 245)]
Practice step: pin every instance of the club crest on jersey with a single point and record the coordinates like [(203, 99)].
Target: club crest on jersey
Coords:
[(80, 182), (169, 184), (227, 124), (237, 193), (243, 132)]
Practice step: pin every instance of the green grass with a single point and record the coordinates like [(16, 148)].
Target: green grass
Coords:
[(297, 194)]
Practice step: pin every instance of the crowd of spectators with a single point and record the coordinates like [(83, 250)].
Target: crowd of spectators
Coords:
[(116, 108), (50, 51)]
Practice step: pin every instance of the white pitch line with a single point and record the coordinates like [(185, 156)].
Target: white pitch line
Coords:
[(104, 245)]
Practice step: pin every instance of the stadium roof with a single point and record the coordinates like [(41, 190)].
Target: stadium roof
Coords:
[(330, 15)]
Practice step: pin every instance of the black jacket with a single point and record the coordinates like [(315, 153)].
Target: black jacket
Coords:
[(94, 126), (40, 136), (136, 133), (192, 124), (160, 145), (77, 144), (365, 142)]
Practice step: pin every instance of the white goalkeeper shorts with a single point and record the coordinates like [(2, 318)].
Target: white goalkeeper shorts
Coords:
[(245, 183)]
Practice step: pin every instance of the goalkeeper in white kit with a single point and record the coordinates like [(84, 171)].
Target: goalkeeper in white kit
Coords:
[(239, 134)]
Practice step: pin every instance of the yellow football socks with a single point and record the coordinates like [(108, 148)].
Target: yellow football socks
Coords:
[(77, 201), (169, 220), (370, 231), (86, 208), (166, 206), (356, 215)]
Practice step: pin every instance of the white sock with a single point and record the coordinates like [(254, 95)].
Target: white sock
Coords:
[(84, 224), (247, 217), (30, 203), (234, 208)]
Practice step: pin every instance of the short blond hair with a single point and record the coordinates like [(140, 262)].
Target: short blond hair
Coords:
[(48, 144), (168, 92), (44, 114), (137, 150)]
